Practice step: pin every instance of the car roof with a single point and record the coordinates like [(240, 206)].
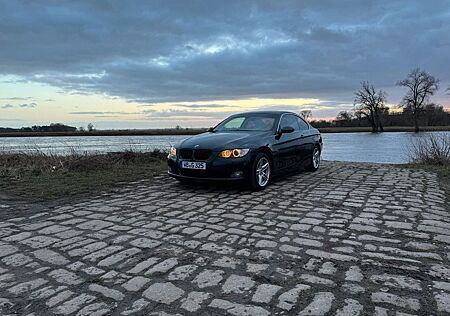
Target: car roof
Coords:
[(267, 112)]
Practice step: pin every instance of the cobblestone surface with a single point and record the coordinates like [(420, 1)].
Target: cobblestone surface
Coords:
[(350, 239)]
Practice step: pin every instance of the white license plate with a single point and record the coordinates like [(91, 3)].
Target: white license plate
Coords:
[(193, 165)]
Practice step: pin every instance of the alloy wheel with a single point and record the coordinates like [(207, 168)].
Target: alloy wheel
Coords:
[(263, 171), (316, 158)]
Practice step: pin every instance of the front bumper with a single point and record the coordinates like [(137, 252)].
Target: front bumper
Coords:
[(216, 168)]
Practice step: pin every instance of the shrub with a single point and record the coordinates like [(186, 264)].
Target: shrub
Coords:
[(432, 149)]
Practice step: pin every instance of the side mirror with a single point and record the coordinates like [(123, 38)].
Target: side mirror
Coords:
[(287, 129)]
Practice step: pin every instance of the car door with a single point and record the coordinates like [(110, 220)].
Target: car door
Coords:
[(306, 141), (288, 144)]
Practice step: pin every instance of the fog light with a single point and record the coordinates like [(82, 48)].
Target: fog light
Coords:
[(237, 174)]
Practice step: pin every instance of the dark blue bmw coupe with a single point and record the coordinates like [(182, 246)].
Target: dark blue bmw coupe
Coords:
[(250, 146)]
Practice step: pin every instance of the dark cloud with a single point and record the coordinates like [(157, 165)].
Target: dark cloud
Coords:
[(7, 106), (154, 51)]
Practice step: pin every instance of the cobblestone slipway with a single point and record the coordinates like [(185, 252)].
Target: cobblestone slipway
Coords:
[(350, 239)]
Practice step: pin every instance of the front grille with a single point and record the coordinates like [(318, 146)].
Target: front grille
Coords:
[(197, 154), (202, 154), (186, 153)]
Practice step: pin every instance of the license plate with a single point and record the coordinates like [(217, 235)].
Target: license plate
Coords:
[(193, 165)]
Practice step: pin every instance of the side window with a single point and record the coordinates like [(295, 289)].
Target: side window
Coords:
[(289, 120), (302, 123)]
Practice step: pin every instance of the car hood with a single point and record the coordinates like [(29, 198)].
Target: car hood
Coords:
[(223, 140)]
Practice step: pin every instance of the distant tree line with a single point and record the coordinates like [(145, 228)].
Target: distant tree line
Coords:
[(433, 115), (416, 107), (54, 127)]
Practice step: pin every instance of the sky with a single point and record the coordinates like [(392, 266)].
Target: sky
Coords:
[(153, 64)]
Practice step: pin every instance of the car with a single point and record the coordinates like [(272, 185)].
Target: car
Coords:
[(250, 146)]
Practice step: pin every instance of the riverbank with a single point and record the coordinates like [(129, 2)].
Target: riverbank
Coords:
[(37, 176), (443, 173), (195, 131), (40, 176)]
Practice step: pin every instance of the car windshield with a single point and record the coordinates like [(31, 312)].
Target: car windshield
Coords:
[(247, 123)]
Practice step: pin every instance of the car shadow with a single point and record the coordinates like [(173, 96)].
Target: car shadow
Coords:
[(238, 187)]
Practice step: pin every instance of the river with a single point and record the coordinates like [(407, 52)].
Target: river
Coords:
[(386, 147)]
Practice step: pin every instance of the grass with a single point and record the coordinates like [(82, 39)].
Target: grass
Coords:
[(41, 176), (432, 153)]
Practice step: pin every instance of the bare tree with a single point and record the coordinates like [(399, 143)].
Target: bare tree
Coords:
[(90, 127), (306, 114), (370, 103), (344, 118), (421, 86)]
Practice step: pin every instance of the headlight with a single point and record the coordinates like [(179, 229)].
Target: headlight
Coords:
[(233, 153), (173, 152)]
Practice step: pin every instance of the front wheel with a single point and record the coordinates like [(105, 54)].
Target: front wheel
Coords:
[(260, 172), (314, 160)]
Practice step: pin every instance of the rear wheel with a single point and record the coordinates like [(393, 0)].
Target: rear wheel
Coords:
[(314, 160), (260, 172)]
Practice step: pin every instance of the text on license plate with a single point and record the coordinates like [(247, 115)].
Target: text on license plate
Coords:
[(193, 165)]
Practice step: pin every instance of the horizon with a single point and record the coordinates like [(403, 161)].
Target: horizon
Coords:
[(159, 65), (311, 119)]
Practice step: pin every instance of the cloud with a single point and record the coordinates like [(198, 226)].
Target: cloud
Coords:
[(17, 98), (173, 51), (103, 113), (28, 105), (208, 105), (23, 105)]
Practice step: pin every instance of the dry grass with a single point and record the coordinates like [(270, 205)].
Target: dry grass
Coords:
[(44, 176), (432, 149), (432, 153)]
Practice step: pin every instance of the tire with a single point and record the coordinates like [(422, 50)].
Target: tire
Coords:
[(314, 160), (260, 179)]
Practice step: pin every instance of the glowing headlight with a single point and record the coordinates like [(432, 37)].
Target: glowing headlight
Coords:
[(173, 152), (233, 153)]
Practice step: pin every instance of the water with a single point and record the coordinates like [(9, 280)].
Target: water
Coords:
[(358, 147)]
